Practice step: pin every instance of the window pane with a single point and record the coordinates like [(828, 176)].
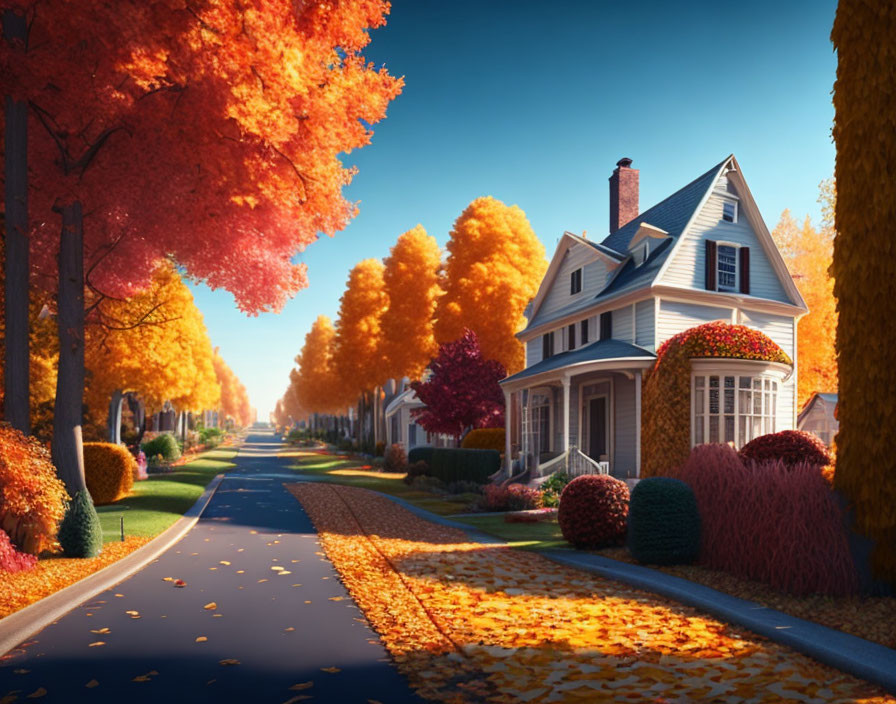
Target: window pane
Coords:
[(729, 428), (743, 403), (744, 382), (729, 394), (742, 431), (699, 401), (698, 430), (700, 381), (713, 394), (757, 403), (757, 427), (757, 383), (727, 268), (713, 429)]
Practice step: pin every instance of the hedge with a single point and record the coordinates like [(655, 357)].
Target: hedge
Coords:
[(109, 471), (420, 454), (454, 465)]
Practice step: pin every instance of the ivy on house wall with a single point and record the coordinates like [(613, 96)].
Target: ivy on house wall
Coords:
[(666, 395)]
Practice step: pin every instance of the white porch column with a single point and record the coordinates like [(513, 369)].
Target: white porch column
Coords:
[(566, 381), (638, 423), (508, 413)]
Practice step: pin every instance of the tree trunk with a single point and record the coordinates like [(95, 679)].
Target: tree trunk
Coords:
[(67, 447), (115, 417), (16, 405)]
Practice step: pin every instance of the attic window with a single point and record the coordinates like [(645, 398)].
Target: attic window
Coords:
[(729, 211), (575, 282), (639, 254)]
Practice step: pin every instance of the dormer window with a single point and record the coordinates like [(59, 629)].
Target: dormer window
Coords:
[(639, 253), (729, 211), (575, 282)]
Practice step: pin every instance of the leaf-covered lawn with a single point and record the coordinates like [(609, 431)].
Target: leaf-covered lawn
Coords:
[(467, 622)]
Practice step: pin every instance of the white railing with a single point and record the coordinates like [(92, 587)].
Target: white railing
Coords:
[(574, 462)]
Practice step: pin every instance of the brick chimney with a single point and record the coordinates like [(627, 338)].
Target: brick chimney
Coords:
[(623, 194)]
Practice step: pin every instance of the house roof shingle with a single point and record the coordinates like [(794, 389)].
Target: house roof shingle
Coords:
[(602, 350)]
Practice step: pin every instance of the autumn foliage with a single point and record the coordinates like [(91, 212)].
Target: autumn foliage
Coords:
[(412, 286), (791, 447), (864, 269), (11, 560), (32, 499), (593, 511), (495, 265), (666, 406), (234, 398), (315, 385), (808, 252), (109, 471), (462, 391), (754, 518)]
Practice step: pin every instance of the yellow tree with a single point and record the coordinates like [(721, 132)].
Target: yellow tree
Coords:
[(411, 280), (315, 384), (864, 269), (808, 252), (495, 264), (234, 398), (358, 354), (154, 343)]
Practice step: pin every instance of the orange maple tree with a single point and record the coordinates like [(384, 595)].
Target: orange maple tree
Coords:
[(809, 252), (315, 385), (495, 265), (235, 404), (411, 283)]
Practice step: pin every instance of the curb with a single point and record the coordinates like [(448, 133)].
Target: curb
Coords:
[(24, 623), (856, 656)]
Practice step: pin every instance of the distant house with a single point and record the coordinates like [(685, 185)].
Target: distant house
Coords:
[(603, 309), (819, 417), (401, 426)]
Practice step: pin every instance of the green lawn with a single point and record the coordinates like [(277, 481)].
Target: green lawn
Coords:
[(532, 536), (157, 502), (341, 470)]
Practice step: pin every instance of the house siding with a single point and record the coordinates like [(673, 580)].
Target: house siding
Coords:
[(780, 329), (623, 465), (593, 277), (623, 327), (533, 351), (687, 266), (675, 317), (644, 324)]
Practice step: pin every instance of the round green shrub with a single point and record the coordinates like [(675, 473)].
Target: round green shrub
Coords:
[(663, 522), (592, 512), (80, 533), (164, 445)]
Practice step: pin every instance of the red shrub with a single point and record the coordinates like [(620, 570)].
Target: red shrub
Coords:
[(790, 447), (515, 497), (11, 560), (396, 459), (593, 511), (770, 522)]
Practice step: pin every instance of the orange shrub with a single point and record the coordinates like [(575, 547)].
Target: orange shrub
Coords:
[(485, 439), (109, 470), (32, 498)]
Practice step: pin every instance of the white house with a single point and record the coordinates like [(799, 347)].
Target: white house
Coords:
[(400, 427), (819, 417), (603, 309)]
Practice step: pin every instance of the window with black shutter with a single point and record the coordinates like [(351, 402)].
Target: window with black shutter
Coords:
[(584, 331), (745, 270), (606, 326), (710, 265), (547, 345), (575, 282), (571, 336)]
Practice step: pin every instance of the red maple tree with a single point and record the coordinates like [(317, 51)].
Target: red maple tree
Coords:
[(208, 132), (462, 390)]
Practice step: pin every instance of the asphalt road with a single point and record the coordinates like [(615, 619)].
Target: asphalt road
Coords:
[(262, 618)]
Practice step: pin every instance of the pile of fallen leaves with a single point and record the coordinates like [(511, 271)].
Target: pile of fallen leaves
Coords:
[(871, 618), (467, 622), (54, 573)]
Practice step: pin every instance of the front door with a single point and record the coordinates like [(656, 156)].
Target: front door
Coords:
[(597, 427)]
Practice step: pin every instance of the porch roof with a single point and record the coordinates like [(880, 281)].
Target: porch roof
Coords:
[(600, 351)]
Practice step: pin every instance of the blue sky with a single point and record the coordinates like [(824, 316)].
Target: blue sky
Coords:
[(534, 103)]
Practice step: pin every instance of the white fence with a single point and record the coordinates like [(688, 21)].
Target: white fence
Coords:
[(574, 462)]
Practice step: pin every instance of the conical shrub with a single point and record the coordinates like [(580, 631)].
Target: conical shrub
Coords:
[(80, 534)]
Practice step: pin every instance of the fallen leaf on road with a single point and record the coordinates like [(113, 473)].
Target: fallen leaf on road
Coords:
[(96, 643), (21, 671), (133, 614), (119, 595), (210, 606), (289, 629), (262, 580), (92, 684), (277, 568), (303, 685), (229, 661), (331, 670), (284, 572), (201, 639), (37, 693), (140, 678), (224, 562), (167, 579), (180, 583), (100, 631), (336, 598), (297, 698), (241, 571)]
